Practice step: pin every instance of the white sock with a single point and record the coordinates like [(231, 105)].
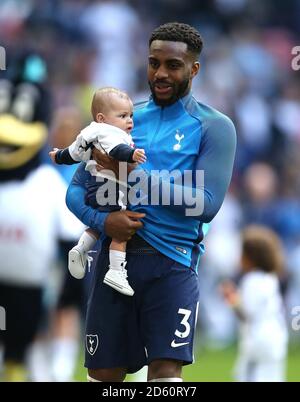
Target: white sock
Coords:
[(172, 379), (64, 358), (116, 258), (86, 241)]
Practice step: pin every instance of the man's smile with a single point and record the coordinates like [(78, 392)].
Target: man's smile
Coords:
[(162, 88)]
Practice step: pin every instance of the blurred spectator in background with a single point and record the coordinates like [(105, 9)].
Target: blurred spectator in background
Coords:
[(33, 215), (261, 196), (66, 318), (112, 26), (258, 304), (221, 260)]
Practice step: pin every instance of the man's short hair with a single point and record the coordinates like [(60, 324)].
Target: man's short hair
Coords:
[(179, 32)]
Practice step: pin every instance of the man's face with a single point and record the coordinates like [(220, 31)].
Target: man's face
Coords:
[(171, 69)]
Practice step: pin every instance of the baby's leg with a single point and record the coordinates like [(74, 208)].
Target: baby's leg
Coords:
[(78, 255), (88, 240), (117, 254), (116, 277)]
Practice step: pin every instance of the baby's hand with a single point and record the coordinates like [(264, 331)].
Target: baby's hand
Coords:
[(52, 154), (139, 156)]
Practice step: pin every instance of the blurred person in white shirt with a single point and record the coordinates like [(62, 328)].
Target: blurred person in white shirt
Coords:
[(113, 26), (258, 304)]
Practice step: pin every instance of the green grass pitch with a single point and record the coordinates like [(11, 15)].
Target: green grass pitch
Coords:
[(216, 366)]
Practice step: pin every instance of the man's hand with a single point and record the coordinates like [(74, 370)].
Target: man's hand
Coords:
[(52, 154), (104, 161), (122, 225)]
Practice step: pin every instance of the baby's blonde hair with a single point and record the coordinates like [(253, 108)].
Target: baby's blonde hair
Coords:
[(102, 99)]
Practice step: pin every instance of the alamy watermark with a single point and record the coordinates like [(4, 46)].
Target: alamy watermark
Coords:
[(296, 320), (156, 187), (2, 319), (296, 59), (2, 58)]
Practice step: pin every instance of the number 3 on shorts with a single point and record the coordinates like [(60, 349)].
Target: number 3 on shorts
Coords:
[(186, 315)]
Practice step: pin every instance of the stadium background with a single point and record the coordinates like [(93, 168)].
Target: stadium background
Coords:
[(246, 72)]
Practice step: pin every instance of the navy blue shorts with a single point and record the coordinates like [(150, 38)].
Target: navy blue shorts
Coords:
[(158, 322)]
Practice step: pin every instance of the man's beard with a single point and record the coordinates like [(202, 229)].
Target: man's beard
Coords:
[(178, 93)]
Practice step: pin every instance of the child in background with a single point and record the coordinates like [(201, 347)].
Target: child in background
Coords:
[(259, 307), (112, 111)]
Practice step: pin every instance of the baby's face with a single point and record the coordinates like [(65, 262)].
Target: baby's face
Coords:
[(120, 114)]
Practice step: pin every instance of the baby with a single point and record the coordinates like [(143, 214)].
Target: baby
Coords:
[(112, 112)]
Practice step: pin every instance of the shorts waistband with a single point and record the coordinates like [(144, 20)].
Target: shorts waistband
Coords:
[(137, 245)]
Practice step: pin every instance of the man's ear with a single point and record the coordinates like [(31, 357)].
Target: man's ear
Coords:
[(195, 69), (100, 118)]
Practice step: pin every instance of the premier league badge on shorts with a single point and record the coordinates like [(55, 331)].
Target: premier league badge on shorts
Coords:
[(92, 342)]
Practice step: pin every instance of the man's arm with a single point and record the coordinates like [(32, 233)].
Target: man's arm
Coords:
[(120, 225), (75, 200), (215, 159)]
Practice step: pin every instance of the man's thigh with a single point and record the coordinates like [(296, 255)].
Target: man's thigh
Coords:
[(164, 370), (117, 374), (168, 312), (112, 338), (157, 322)]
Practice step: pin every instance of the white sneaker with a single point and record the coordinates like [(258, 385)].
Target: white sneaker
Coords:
[(117, 279), (77, 262)]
